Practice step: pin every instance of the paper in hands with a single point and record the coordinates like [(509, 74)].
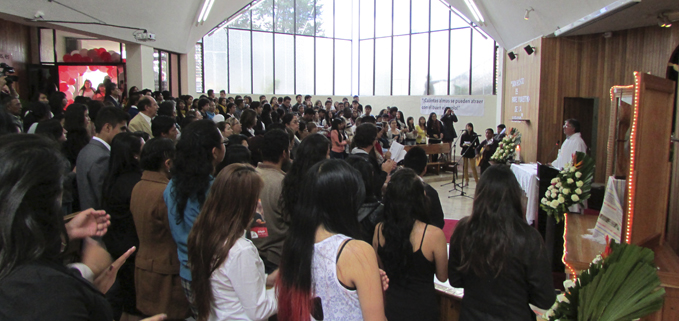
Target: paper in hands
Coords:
[(398, 153)]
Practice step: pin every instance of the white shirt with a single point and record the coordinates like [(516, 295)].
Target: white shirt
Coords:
[(147, 118), (572, 144), (103, 142), (239, 286)]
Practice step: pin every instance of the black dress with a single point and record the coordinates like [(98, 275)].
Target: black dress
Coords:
[(413, 297), (121, 236), (469, 152)]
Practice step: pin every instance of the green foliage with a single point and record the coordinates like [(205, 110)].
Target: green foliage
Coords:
[(284, 13), (623, 286)]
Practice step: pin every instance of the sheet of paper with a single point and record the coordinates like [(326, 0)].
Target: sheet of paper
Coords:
[(396, 150)]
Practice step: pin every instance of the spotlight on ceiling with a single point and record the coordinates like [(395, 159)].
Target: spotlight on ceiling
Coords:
[(527, 15), (512, 55), (529, 49), (664, 21)]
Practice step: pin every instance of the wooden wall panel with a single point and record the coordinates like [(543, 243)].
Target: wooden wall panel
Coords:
[(588, 66), (522, 78), (15, 40)]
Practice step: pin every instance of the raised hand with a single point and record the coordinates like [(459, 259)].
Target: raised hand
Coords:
[(88, 223)]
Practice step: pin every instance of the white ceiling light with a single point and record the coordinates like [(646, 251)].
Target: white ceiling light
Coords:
[(475, 11), (204, 11), (527, 16)]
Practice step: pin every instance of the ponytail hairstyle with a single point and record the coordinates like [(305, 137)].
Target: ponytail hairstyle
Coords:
[(227, 212), (404, 202), (323, 205)]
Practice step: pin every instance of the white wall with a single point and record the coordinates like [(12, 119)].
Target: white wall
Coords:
[(140, 66)]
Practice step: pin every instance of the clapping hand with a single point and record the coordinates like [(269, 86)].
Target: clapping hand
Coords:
[(385, 280), (105, 280), (88, 223)]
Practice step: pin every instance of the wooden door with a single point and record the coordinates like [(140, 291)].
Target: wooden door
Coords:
[(582, 109)]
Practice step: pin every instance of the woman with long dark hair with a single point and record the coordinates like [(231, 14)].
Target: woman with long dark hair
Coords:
[(319, 244), (248, 120), (86, 90), (469, 141), (123, 173), (58, 103), (499, 260), (411, 294), (434, 129), (76, 122), (228, 278), (266, 115), (337, 139), (421, 130), (199, 151), (410, 132), (448, 120), (313, 149)]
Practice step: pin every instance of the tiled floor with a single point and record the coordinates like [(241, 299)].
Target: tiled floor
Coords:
[(455, 207)]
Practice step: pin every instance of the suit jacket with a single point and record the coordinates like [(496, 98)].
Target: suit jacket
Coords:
[(157, 281), (91, 170), (113, 101), (139, 124)]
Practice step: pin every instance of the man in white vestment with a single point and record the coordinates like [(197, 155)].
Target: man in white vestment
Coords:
[(572, 144)]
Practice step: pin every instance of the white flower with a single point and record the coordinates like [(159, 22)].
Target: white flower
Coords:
[(579, 183), (578, 191), (554, 204), (575, 198), (568, 284), (558, 184), (548, 193), (562, 298), (566, 191), (560, 189), (544, 201), (570, 181), (551, 187), (573, 169), (554, 180), (578, 175), (561, 199)]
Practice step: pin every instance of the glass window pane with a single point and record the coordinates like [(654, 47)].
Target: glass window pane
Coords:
[(439, 15), (324, 18), (383, 18), (262, 16), (401, 63), (418, 64), (242, 22), (46, 45), (365, 77), (459, 61), (367, 23), (483, 52), (342, 67), (401, 17), (383, 67), (456, 21), (199, 67), (304, 12), (285, 64), (343, 25), (216, 67), (305, 65), (438, 63), (420, 16), (239, 62), (324, 66), (262, 63), (156, 69), (284, 14), (164, 71)]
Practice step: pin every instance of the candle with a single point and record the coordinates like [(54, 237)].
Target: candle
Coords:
[(518, 153)]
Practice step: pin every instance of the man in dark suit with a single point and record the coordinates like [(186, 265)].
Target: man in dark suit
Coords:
[(112, 94), (416, 159), (92, 162), (364, 139)]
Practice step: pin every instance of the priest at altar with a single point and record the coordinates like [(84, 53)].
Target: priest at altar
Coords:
[(573, 143)]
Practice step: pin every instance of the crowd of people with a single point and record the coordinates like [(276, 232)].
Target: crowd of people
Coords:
[(222, 208)]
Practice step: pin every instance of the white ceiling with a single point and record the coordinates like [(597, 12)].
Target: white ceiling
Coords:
[(173, 21)]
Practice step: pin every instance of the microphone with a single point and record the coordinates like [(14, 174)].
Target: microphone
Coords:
[(550, 153)]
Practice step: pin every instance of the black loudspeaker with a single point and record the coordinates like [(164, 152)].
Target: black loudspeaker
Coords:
[(512, 55), (529, 50)]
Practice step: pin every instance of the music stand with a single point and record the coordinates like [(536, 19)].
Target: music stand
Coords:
[(462, 193)]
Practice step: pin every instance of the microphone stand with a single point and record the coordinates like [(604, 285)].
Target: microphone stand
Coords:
[(454, 163), (462, 193)]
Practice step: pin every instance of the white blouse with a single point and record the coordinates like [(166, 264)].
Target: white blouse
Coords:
[(239, 286)]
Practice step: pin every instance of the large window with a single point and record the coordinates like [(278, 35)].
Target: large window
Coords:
[(344, 47)]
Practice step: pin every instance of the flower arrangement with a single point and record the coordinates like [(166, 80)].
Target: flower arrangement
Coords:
[(507, 147), (620, 284), (572, 186)]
